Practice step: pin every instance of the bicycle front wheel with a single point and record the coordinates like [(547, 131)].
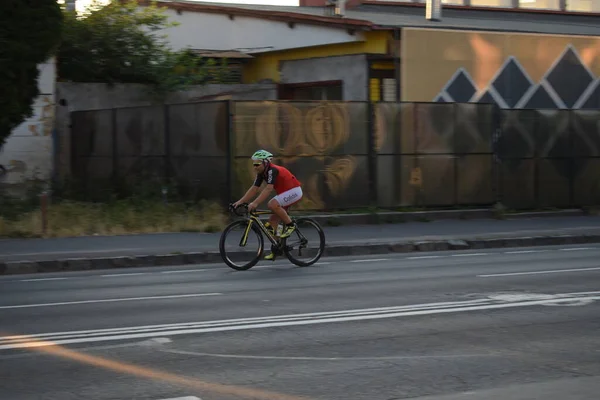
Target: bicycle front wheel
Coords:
[(308, 240), (241, 240)]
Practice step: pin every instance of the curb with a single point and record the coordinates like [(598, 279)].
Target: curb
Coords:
[(83, 264), (392, 217)]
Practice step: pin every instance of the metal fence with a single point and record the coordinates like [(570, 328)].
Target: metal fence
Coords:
[(349, 154)]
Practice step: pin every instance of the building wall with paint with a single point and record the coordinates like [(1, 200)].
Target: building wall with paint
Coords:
[(512, 70), (27, 152)]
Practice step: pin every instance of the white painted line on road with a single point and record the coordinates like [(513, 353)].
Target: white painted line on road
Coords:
[(184, 398), (524, 251), (422, 257), (58, 338), (370, 260), (577, 249), (185, 270), (64, 303), (71, 253), (43, 279), (130, 274), (470, 254), (552, 271)]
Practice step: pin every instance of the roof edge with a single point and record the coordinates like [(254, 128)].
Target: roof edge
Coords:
[(289, 17), (476, 8)]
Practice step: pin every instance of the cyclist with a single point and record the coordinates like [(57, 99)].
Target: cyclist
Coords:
[(285, 184)]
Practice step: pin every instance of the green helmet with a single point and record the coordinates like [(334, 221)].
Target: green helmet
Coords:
[(262, 155)]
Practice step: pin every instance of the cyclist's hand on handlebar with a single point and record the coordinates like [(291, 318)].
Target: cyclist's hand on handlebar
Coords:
[(252, 206)]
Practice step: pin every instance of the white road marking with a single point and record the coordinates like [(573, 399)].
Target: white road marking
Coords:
[(184, 398), (64, 303), (43, 279), (552, 271), (184, 270), (300, 358), (136, 332), (321, 263), (524, 251), (422, 257)]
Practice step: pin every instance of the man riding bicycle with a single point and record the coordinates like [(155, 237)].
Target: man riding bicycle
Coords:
[(287, 187)]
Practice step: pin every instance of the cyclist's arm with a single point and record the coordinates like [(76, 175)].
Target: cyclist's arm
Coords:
[(249, 194), (252, 191), (271, 177)]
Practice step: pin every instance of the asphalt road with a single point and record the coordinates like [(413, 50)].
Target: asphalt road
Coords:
[(488, 325), (167, 243)]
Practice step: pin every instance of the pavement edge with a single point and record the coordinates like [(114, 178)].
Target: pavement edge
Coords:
[(82, 264)]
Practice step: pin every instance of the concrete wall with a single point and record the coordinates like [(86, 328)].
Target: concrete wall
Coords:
[(96, 96), (28, 151), (352, 70)]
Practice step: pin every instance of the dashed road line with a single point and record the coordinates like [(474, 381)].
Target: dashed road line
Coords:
[(43, 279), (422, 257), (551, 271), (319, 263), (66, 303), (525, 251), (183, 271), (184, 398)]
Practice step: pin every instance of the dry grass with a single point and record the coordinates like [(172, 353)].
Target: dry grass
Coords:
[(68, 219)]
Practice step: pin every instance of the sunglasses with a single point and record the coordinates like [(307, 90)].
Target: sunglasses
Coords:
[(256, 164)]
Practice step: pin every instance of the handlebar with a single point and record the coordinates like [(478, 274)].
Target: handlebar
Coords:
[(242, 210)]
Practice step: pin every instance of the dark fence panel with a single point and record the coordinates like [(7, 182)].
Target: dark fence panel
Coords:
[(198, 142), (348, 154), (432, 154)]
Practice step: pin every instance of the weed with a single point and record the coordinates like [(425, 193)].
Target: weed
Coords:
[(71, 218)]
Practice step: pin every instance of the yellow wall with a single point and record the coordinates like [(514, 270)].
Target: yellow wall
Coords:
[(430, 57), (266, 66)]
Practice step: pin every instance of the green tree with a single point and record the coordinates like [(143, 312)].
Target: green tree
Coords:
[(122, 43), (30, 30)]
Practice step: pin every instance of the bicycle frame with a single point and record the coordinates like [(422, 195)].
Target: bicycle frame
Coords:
[(254, 218)]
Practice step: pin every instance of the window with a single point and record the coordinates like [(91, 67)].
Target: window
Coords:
[(583, 5), (312, 91), (540, 4)]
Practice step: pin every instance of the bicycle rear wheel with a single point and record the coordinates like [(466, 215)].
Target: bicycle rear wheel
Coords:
[(249, 249), (307, 240)]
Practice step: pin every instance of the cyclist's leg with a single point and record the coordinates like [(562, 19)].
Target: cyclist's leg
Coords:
[(279, 205), (282, 203)]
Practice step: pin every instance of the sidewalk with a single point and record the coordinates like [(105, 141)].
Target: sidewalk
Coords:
[(100, 252)]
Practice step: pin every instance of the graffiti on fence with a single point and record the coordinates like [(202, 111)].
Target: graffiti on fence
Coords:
[(320, 143)]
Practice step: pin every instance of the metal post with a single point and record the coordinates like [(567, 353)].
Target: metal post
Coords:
[(229, 148), (44, 211)]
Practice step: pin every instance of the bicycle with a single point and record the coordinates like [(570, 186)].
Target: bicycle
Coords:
[(251, 223)]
